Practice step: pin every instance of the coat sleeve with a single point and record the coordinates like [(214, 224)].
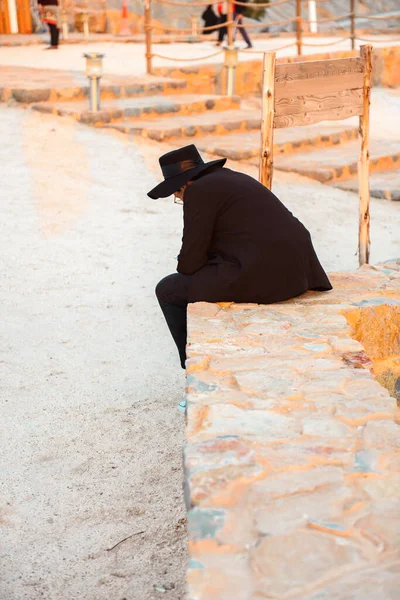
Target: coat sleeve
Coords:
[(199, 214)]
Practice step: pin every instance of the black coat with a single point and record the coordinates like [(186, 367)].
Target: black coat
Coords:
[(241, 244)]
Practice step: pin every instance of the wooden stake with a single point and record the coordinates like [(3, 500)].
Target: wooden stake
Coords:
[(267, 124), (363, 165), (148, 29), (298, 27), (352, 23)]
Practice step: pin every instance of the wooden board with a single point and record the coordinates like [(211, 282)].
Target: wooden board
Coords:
[(318, 68), (330, 114), (320, 76), (303, 104)]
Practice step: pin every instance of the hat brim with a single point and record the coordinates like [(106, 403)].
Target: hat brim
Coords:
[(173, 184)]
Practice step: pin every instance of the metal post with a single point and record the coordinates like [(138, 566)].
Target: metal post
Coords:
[(298, 27), (231, 60), (352, 24), (94, 69), (148, 29), (95, 94)]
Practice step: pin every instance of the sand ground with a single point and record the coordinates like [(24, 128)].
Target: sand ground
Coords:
[(129, 59), (91, 436)]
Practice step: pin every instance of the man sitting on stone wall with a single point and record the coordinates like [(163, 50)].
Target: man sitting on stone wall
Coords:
[(240, 243)]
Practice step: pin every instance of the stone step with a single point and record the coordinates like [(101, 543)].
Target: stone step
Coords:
[(189, 126), (136, 108), (382, 185), (246, 146), (340, 163), (27, 85)]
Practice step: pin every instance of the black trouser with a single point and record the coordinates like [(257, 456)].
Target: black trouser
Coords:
[(54, 34), (240, 27), (172, 294), (223, 30)]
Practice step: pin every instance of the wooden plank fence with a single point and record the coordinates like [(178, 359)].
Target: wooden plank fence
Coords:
[(304, 93)]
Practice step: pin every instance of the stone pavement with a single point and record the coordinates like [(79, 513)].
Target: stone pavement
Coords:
[(292, 458)]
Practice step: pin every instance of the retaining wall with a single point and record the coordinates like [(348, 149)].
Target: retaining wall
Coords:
[(292, 460), (211, 78)]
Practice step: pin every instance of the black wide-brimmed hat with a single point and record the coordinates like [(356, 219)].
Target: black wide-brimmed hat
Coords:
[(179, 167)]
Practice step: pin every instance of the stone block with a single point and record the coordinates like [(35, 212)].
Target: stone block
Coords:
[(292, 564), (293, 457)]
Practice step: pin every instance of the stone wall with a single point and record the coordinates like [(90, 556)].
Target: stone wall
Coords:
[(210, 78), (292, 460)]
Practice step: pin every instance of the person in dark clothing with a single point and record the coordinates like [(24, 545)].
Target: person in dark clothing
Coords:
[(239, 11), (222, 8), (50, 13), (210, 19), (240, 243)]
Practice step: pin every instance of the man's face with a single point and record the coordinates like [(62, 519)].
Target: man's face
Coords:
[(178, 196)]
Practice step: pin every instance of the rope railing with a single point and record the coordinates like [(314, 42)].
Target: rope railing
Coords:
[(331, 19), (211, 28), (231, 26), (376, 17), (247, 51), (258, 25), (319, 44), (262, 5), (185, 59)]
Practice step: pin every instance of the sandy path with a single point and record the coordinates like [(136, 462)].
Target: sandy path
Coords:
[(129, 59), (91, 437)]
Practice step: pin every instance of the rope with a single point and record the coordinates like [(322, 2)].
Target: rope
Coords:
[(362, 39), (188, 3), (328, 44), (383, 17), (191, 30), (333, 18), (272, 49), (263, 5), (250, 25), (211, 27), (186, 59)]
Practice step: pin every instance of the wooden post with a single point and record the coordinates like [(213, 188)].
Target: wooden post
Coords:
[(230, 26), (363, 165), (352, 23), (195, 31), (86, 25), (267, 123), (148, 29), (299, 27)]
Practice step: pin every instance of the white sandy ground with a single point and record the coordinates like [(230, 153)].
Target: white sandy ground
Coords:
[(129, 59), (91, 438)]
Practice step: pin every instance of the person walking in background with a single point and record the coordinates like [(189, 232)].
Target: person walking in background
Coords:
[(210, 19), (50, 13), (239, 13), (223, 17)]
